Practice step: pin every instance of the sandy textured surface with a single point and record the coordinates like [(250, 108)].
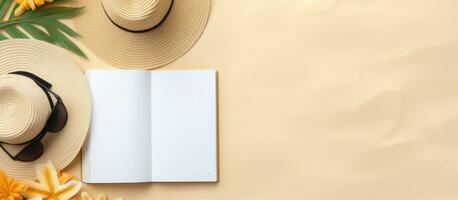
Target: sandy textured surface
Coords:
[(327, 99)]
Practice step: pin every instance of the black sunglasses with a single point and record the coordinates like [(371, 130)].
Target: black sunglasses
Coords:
[(55, 123)]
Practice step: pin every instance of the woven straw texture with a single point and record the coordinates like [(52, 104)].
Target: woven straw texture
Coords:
[(24, 109), (174, 37), (52, 64), (137, 15)]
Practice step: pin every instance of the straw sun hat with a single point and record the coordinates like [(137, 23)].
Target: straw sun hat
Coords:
[(141, 34), (25, 109)]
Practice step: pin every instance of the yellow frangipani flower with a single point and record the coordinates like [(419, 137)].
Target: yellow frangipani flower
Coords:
[(28, 5), (49, 186), (9, 188)]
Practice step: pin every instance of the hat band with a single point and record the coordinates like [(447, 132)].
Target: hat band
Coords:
[(140, 31)]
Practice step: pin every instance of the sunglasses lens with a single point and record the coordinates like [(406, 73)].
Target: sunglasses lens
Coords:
[(32, 152), (58, 118)]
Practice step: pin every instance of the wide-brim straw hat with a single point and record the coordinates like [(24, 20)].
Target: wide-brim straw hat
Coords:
[(56, 67), (140, 34)]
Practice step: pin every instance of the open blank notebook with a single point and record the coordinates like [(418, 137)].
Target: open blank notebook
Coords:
[(158, 126)]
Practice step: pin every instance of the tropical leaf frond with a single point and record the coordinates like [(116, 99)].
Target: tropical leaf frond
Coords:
[(61, 26), (15, 32), (4, 5), (3, 37), (41, 24), (50, 13), (35, 32), (63, 41), (12, 12)]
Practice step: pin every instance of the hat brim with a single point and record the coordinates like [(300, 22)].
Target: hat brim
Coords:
[(68, 80), (156, 48)]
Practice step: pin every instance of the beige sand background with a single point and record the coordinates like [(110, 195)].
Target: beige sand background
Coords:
[(326, 99)]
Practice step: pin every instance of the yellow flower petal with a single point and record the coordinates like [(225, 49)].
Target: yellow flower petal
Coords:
[(47, 175), (68, 190), (102, 197), (27, 5), (85, 196), (66, 177), (31, 4), (39, 2), (49, 187), (19, 1), (36, 189), (9, 188)]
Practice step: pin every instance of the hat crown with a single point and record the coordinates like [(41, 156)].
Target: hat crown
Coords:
[(135, 9), (24, 109), (136, 15)]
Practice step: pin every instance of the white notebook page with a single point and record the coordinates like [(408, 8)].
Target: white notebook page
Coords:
[(118, 148), (183, 126)]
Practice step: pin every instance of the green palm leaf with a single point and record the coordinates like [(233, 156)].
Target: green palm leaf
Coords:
[(4, 5), (59, 25), (51, 13), (12, 12), (61, 40), (36, 32), (3, 37), (15, 32), (41, 24)]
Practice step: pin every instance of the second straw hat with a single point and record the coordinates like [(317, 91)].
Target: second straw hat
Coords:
[(141, 34)]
